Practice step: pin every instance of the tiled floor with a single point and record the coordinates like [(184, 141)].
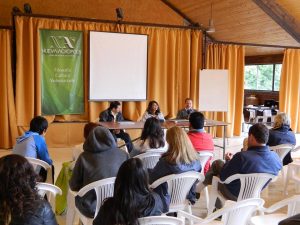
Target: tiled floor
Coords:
[(272, 195)]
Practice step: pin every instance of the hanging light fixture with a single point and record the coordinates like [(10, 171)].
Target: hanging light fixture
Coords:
[(211, 25)]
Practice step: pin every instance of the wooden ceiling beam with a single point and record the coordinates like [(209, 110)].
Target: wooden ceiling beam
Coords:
[(281, 17), (188, 19)]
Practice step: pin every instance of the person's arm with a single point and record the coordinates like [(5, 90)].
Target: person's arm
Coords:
[(178, 114), (48, 215), (158, 171), (103, 116), (231, 167), (76, 181), (161, 116), (145, 116), (42, 149)]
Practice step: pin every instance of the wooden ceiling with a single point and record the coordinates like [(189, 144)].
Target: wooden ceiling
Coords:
[(235, 20)]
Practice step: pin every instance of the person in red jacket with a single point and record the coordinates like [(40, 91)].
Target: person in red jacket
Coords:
[(201, 140)]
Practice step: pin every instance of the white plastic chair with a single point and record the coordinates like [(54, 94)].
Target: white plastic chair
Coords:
[(50, 190), (282, 150), (251, 186), (38, 164), (103, 188), (234, 213), (204, 156), (160, 220), (149, 158), (293, 173), (179, 186), (293, 208)]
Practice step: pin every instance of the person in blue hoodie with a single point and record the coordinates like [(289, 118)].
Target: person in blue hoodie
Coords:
[(32, 143), (180, 157)]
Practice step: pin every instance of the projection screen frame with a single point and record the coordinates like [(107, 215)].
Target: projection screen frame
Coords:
[(89, 72)]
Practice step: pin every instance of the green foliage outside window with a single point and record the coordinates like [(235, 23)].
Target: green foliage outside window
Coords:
[(260, 77)]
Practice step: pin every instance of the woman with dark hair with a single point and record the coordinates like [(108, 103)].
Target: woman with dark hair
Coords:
[(20, 203), (152, 137), (153, 110), (132, 197)]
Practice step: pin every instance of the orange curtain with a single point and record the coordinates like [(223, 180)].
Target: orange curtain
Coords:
[(174, 58), (289, 94), (229, 57), (8, 126)]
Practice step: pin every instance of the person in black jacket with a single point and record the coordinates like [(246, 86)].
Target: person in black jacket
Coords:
[(113, 114), (132, 197), (20, 203), (281, 133)]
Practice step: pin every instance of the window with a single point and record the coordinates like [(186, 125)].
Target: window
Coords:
[(262, 77)]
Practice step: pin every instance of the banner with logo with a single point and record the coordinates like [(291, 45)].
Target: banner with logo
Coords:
[(62, 72)]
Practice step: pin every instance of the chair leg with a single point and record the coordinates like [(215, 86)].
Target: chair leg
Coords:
[(206, 197)]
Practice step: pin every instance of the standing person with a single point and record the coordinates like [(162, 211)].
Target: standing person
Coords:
[(199, 138), (20, 203), (282, 133), (113, 114), (188, 109), (179, 158), (32, 144), (101, 159), (132, 197), (152, 137), (153, 110)]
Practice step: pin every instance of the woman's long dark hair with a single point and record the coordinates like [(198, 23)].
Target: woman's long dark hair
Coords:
[(150, 105), (18, 194), (154, 133), (132, 195)]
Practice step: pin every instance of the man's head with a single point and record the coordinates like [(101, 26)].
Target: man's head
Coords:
[(115, 106), (258, 135), (196, 120), (188, 103), (39, 125)]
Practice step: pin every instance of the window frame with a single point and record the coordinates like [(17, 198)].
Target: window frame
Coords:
[(273, 76)]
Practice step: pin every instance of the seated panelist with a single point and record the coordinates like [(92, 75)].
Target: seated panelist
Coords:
[(153, 110)]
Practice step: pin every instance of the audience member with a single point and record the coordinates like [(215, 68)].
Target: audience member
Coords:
[(152, 137), (20, 203), (32, 144), (180, 157), (199, 138), (188, 109), (257, 159), (153, 110), (293, 220), (281, 133), (101, 159), (113, 114), (132, 197)]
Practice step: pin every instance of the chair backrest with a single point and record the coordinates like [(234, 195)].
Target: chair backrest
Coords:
[(282, 150), (251, 184), (160, 220), (50, 190), (104, 188), (37, 164), (150, 158), (204, 156), (179, 186), (233, 213)]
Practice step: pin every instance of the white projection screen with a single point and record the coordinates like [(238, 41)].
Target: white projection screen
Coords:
[(213, 90), (118, 66)]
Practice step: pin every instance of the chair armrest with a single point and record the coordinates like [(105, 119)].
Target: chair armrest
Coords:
[(281, 204), (184, 215)]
